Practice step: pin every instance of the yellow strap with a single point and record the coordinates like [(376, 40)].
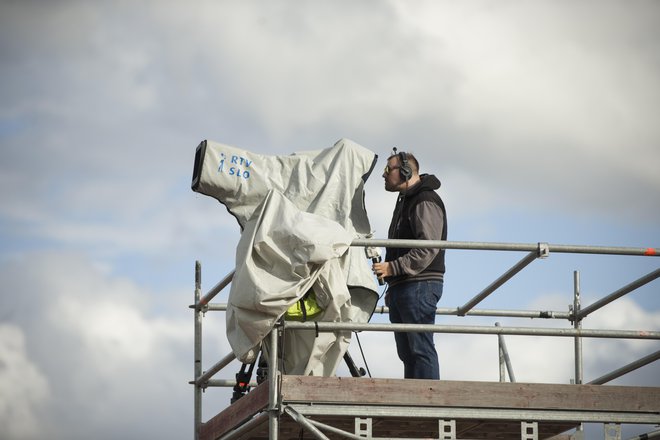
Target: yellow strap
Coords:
[(295, 312)]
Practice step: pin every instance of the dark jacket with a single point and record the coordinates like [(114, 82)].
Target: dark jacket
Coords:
[(419, 214)]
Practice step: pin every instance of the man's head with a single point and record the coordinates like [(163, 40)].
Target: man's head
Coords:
[(401, 171)]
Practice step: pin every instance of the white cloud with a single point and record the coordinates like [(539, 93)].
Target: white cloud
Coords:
[(512, 105), (103, 351), (555, 101), (518, 107), (600, 355), (24, 389)]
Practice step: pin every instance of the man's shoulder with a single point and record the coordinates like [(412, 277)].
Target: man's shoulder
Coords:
[(428, 195), (429, 198)]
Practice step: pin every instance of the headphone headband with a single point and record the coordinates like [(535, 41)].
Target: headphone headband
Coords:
[(404, 171)]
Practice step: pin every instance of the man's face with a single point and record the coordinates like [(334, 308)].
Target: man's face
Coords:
[(391, 175)]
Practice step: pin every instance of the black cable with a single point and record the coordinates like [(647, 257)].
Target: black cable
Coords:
[(362, 352), (384, 292)]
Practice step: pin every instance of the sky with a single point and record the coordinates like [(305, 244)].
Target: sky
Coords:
[(539, 117)]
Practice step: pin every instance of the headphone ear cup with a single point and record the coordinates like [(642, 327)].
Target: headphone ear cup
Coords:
[(405, 171)]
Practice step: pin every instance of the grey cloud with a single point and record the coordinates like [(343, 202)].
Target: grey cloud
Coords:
[(94, 342), (25, 389), (535, 107), (129, 97)]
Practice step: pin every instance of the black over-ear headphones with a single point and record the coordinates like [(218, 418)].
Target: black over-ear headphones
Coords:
[(404, 171)]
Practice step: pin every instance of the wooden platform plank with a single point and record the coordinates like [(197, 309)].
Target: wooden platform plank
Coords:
[(407, 395), (408, 428), (240, 411), (469, 394)]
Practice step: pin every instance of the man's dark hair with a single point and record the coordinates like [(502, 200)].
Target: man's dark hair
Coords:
[(410, 157)]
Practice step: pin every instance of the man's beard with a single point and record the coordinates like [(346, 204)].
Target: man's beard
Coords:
[(391, 187)]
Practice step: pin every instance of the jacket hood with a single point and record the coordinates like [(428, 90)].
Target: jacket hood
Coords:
[(427, 182)]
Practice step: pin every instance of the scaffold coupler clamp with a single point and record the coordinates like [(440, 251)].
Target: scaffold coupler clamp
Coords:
[(543, 250)]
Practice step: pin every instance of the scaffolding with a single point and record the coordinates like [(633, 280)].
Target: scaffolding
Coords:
[(356, 408)]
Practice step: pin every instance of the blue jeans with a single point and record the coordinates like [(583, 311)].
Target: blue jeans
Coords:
[(415, 302)]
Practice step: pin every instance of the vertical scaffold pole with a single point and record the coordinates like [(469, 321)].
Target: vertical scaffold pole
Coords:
[(501, 353), (505, 360), (273, 384), (577, 324), (198, 350)]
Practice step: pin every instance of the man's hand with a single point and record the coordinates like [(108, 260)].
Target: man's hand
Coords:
[(382, 270)]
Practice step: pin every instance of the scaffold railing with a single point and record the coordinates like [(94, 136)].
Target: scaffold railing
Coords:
[(576, 314)]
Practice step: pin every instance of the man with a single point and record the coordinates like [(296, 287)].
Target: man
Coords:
[(414, 276)]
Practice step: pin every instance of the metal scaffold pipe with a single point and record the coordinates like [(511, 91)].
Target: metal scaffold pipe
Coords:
[(273, 382), (497, 283), (466, 329), (647, 436), (505, 358), (619, 293), (197, 364), (626, 369), (544, 314), (313, 430), (275, 408), (216, 289), (201, 380), (577, 324), (488, 246)]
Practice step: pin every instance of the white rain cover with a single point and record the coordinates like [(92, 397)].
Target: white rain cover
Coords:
[(299, 214)]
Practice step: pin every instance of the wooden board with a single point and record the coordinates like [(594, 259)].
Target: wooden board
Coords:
[(469, 394), (400, 408), (236, 414)]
